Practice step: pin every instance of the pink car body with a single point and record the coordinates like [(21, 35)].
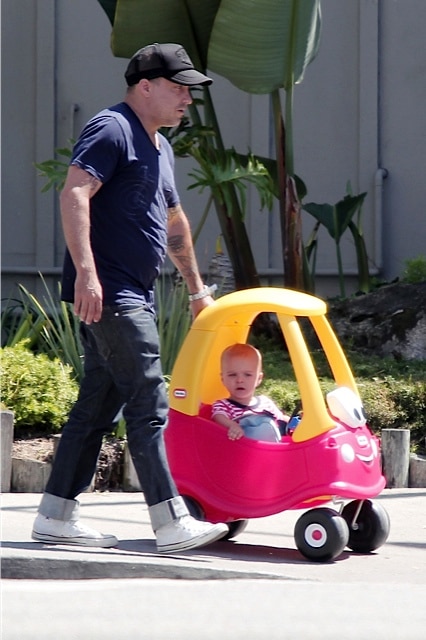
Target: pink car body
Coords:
[(233, 480)]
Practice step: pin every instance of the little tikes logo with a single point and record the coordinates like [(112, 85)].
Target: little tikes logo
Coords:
[(179, 393)]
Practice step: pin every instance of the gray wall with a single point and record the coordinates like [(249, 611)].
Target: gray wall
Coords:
[(360, 108)]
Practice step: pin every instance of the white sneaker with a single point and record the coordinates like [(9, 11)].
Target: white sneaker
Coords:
[(188, 533), (53, 531)]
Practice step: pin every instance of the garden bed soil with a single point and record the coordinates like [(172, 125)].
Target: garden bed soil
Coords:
[(40, 449), (109, 470)]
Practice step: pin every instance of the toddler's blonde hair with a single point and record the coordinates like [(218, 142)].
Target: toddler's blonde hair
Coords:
[(241, 350)]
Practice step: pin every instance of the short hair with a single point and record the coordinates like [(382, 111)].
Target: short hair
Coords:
[(241, 350)]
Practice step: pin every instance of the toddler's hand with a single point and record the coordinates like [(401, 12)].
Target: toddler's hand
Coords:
[(235, 432)]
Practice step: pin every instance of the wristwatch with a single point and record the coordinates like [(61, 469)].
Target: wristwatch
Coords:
[(205, 291)]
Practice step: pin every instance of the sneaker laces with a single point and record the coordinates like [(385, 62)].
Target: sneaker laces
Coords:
[(84, 530), (191, 524)]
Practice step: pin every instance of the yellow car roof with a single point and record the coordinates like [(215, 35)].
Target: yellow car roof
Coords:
[(262, 299)]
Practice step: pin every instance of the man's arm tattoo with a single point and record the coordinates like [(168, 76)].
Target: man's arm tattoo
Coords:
[(183, 261), (178, 248), (175, 244)]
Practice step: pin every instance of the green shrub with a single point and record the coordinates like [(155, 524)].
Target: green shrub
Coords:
[(415, 270), (410, 399), (38, 390), (381, 409), (47, 325)]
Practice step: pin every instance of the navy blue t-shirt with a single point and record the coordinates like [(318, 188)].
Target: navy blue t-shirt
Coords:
[(128, 215)]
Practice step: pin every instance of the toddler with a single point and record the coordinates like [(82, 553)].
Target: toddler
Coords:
[(244, 413)]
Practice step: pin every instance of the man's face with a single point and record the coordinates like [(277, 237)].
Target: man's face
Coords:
[(168, 102)]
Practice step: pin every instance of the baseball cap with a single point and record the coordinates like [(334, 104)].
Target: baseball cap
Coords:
[(164, 61)]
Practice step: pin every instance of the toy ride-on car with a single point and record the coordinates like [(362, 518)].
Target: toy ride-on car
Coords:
[(331, 456)]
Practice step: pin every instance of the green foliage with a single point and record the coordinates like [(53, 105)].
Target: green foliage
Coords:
[(415, 270), (38, 390), (410, 400), (380, 407), (220, 167), (42, 357), (264, 45), (174, 318), (55, 170), (285, 394), (393, 403), (378, 368), (337, 219), (227, 174), (18, 323), (49, 326)]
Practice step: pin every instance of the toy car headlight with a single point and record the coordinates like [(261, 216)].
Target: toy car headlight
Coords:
[(346, 407)]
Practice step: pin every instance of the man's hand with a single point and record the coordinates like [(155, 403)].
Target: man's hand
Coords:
[(88, 298), (199, 305)]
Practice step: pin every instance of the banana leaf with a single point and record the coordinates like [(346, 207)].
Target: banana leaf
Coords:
[(109, 7), (137, 23), (336, 218), (264, 45)]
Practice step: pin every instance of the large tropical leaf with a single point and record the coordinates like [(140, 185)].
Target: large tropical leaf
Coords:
[(264, 45), (261, 47), (336, 218), (109, 7), (137, 23)]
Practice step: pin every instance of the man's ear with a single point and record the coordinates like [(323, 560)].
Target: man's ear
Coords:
[(144, 86)]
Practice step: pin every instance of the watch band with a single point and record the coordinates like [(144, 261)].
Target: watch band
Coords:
[(205, 291)]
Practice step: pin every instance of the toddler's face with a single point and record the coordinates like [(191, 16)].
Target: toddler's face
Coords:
[(241, 376)]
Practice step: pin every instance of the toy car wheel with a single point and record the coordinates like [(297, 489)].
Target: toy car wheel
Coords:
[(194, 508), (371, 528), (235, 528), (321, 534)]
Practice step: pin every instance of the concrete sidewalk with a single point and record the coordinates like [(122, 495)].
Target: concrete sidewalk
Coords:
[(266, 549)]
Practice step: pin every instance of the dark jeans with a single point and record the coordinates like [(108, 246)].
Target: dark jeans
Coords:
[(122, 368)]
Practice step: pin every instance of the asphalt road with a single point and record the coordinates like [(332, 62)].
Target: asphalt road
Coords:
[(258, 586)]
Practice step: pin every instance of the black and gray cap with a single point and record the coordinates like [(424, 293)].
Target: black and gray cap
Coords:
[(164, 61)]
